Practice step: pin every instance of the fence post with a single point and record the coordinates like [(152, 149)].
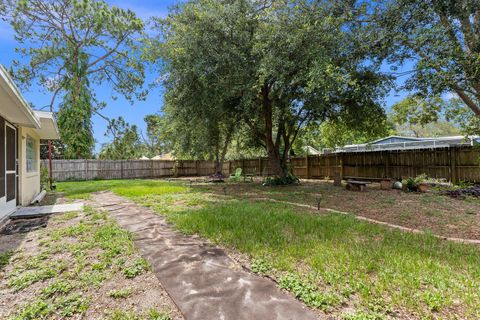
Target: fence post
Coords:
[(453, 165), (243, 166), (196, 168), (86, 169), (387, 165), (341, 166), (151, 169), (307, 165)]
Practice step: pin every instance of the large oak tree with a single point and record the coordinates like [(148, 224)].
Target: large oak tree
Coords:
[(273, 65)]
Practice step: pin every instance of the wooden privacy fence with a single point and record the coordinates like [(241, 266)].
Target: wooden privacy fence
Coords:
[(454, 164)]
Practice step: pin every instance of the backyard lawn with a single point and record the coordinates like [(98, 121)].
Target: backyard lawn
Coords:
[(332, 262)]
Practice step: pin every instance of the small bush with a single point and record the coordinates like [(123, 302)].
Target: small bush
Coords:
[(412, 184), (121, 293), (290, 178)]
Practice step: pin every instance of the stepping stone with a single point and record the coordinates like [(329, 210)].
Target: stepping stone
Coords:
[(35, 212)]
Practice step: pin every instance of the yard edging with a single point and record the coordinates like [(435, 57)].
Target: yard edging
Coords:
[(390, 225)]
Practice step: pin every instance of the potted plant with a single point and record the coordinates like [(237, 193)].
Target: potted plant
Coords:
[(421, 182), (417, 184)]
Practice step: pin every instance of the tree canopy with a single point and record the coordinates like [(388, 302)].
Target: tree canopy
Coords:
[(70, 46), (274, 66), (442, 40)]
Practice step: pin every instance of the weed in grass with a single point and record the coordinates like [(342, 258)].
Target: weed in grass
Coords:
[(122, 315), (58, 287), (5, 258), (154, 314), (120, 293), (260, 266), (434, 300), (361, 315), (66, 216), (92, 278), (38, 309), (71, 305), (348, 257), (22, 280), (308, 292), (136, 268)]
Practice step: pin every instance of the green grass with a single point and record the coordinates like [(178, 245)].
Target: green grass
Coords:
[(331, 258), (327, 261), (128, 188), (5, 258)]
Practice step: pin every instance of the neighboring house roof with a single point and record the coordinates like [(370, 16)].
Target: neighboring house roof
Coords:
[(311, 150), (17, 111), (165, 156), (403, 143)]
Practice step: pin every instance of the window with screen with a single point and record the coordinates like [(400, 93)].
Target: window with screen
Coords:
[(31, 155)]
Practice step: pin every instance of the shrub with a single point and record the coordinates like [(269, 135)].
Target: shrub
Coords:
[(290, 178), (412, 184)]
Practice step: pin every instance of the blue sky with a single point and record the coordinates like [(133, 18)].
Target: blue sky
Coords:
[(133, 114)]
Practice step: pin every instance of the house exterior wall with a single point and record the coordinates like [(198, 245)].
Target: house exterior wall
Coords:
[(29, 181)]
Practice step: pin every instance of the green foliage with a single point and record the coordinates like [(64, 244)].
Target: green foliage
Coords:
[(290, 178), (261, 266), (67, 47), (121, 293), (5, 258), (412, 184), (424, 117), (44, 178), (268, 70), (440, 39), (125, 143), (307, 292), (156, 141), (75, 113), (136, 268)]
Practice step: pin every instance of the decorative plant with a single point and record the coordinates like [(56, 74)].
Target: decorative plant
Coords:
[(412, 184), (44, 178)]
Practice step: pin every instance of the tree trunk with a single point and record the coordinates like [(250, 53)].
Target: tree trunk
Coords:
[(220, 156), (274, 159)]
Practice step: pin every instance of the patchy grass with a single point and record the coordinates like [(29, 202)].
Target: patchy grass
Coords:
[(336, 263), (82, 265), (5, 258)]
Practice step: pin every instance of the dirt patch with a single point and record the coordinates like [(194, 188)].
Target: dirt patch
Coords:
[(80, 266)]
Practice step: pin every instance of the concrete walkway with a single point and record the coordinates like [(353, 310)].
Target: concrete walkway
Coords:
[(203, 281)]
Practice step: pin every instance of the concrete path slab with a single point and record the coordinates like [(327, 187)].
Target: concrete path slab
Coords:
[(34, 212), (202, 279)]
